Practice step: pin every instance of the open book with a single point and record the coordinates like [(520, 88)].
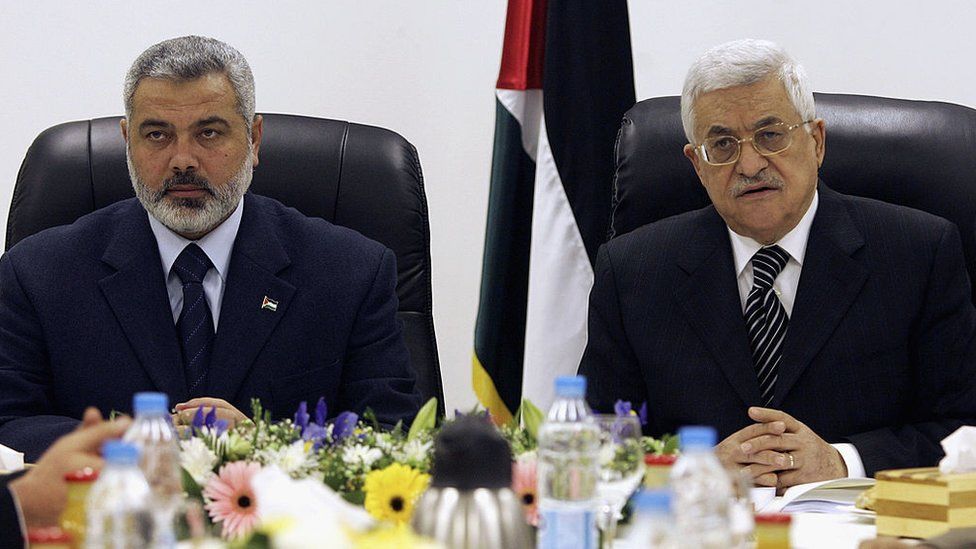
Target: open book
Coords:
[(828, 496)]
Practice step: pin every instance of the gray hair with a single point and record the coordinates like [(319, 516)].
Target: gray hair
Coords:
[(191, 57), (741, 63)]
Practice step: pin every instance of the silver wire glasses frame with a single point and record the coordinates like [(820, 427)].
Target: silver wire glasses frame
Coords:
[(722, 150)]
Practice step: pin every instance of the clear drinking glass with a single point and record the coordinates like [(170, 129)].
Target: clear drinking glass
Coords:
[(621, 461)]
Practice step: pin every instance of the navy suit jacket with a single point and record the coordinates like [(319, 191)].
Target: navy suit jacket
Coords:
[(880, 350), (85, 320)]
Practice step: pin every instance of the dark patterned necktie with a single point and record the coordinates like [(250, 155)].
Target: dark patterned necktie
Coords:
[(766, 318), (195, 324)]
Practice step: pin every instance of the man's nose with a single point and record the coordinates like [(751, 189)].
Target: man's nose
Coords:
[(750, 161), (184, 157)]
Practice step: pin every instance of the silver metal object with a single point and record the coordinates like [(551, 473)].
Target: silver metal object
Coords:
[(481, 518)]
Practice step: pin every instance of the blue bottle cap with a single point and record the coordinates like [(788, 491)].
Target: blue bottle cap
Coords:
[(570, 386), (143, 403), (697, 437), (117, 452), (653, 501)]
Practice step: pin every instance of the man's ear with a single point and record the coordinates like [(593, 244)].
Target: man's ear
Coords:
[(819, 134), (124, 125), (691, 155), (257, 130)]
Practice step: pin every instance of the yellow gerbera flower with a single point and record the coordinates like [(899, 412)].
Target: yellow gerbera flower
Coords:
[(392, 492), (399, 536)]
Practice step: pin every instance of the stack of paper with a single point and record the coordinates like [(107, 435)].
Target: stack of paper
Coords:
[(828, 496)]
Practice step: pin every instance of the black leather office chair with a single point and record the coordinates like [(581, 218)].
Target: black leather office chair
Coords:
[(362, 177), (920, 154)]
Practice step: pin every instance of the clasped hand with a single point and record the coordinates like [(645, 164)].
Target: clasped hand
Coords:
[(184, 411), (779, 450)]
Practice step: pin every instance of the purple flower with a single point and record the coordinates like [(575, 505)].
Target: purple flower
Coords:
[(197, 422), (642, 413), (315, 433), (208, 421), (344, 425), (301, 416), (320, 412), (622, 408), (211, 420)]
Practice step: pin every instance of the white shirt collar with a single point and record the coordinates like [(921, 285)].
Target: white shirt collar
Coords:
[(794, 242), (217, 244)]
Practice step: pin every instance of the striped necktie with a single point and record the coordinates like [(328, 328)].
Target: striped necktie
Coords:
[(766, 318), (195, 324)]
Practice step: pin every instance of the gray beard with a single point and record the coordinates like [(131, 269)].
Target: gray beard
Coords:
[(193, 215)]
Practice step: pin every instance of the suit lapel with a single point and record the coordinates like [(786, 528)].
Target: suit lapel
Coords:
[(136, 292), (829, 282), (245, 325), (709, 298)]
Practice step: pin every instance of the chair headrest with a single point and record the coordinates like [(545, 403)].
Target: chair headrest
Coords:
[(920, 154)]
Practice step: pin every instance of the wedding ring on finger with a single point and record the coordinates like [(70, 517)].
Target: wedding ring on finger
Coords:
[(792, 460)]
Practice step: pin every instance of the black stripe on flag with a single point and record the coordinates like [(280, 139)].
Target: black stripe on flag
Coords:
[(588, 85)]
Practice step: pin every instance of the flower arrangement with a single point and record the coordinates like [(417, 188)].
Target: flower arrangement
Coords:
[(383, 470)]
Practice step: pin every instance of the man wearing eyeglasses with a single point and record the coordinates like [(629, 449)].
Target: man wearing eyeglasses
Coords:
[(823, 335)]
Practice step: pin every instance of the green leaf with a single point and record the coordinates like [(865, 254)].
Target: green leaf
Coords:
[(426, 419), (357, 497), (532, 418), (671, 443), (190, 486)]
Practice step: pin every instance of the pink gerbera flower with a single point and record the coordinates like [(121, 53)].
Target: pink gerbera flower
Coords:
[(231, 498), (524, 486)]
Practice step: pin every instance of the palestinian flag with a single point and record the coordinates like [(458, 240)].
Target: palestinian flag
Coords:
[(566, 80)]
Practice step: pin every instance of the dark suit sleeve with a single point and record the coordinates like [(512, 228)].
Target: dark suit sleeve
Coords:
[(376, 371), (609, 362), (25, 376), (10, 532), (942, 347)]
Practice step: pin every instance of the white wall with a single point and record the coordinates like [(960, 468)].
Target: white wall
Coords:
[(427, 68)]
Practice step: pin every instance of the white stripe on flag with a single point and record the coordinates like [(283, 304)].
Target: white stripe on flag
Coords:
[(560, 278), (526, 107)]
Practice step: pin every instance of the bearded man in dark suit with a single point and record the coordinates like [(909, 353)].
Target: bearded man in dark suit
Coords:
[(195, 288)]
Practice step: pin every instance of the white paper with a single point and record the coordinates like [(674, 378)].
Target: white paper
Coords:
[(10, 459), (826, 496), (960, 451)]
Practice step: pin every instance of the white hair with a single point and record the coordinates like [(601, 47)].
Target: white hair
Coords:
[(191, 57), (741, 63)]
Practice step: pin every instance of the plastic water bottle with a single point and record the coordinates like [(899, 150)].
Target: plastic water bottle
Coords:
[(652, 520), (702, 492), (118, 503), (568, 470), (152, 432)]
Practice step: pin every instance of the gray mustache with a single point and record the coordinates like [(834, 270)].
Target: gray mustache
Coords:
[(763, 180), (187, 178)]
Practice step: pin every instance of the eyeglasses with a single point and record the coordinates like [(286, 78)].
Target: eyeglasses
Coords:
[(722, 150)]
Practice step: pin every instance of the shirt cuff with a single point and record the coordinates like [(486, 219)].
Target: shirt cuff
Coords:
[(852, 459)]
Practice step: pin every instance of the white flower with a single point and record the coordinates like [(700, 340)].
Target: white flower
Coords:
[(291, 459), (415, 451), (197, 459), (384, 442), (361, 455)]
